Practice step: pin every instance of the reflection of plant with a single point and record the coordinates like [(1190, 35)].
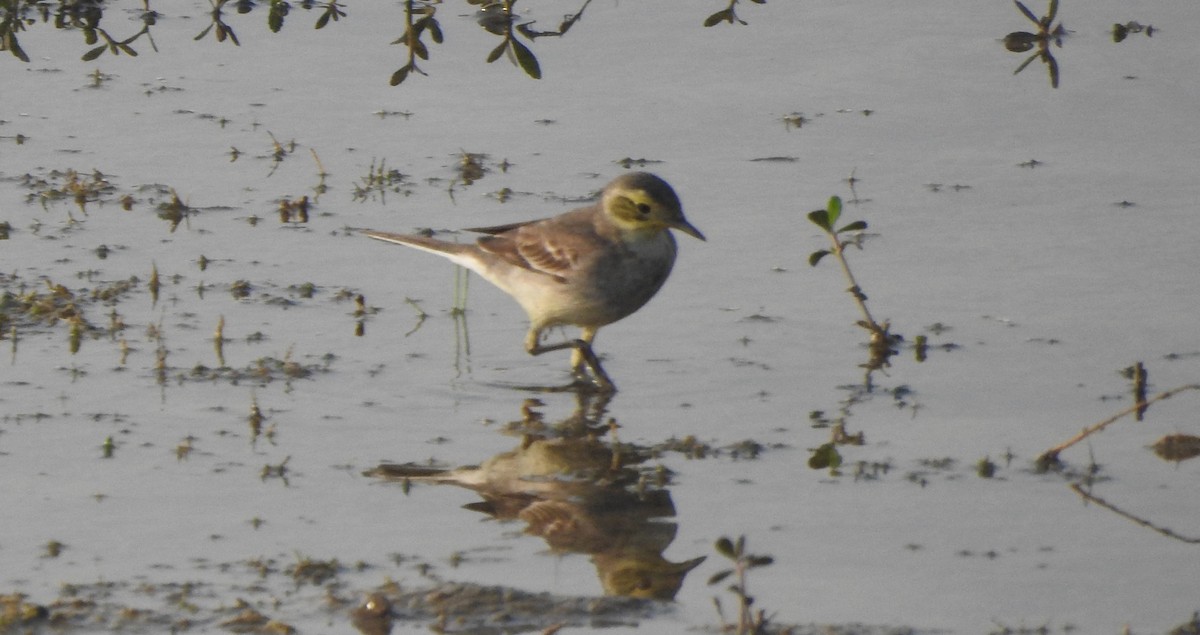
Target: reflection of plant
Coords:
[(1021, 41), (568, 21), (92, 30), (413, 30), (1086, 494), (223, 30), (1045, 23), (9, 26), (728, 14), (498, 18), (748, 621), (495, 16), (333, 11), (280, 9)]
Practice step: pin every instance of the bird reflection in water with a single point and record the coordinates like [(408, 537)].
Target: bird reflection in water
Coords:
[(581, 494)]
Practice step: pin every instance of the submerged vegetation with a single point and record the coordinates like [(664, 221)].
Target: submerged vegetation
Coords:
[(92, 313)]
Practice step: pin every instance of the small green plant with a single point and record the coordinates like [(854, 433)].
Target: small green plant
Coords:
[(826, 457), (749, 621), (379, 181), (840, 237)]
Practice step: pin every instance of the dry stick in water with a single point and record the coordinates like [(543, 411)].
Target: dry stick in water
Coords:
[(1051, 455)]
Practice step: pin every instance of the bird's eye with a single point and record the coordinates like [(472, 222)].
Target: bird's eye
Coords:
[(643, 209)]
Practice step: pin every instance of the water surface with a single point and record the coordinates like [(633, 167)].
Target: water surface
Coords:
[(1047, 230)]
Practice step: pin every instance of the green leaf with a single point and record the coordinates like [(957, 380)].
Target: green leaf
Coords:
[(399, 76), (526, 59), (420, 50), (820, 218), (824, 457), (89, 36), (835, 209), (719, 17), (16, 49), (435, 31), (725, 548), (1029, 14), (203, 33), (816, 257), (497, 52), (720, 575), (760, 561), (856, 226), (323, 20), (1025, 63), (739, 548), (94, 53), (128, 50)]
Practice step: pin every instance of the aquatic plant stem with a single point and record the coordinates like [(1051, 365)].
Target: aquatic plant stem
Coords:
[(1051, 456), (854, 290)]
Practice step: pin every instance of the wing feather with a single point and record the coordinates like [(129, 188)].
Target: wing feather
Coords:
[(551, 246)]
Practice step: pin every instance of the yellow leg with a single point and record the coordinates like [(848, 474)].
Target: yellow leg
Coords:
[(581, 355), (578, 357)]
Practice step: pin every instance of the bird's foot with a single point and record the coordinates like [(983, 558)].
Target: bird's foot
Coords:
[(598, 380), (582, 361)]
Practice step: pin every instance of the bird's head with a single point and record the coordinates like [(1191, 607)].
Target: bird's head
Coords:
[(642, 201)]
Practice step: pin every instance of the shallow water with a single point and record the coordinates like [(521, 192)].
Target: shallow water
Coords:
[(1063, 255)]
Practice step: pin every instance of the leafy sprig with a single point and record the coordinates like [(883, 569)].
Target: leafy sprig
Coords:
[(749, 621)]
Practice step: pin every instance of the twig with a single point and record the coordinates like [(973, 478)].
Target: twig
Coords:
[(1124, 514), (1051, 455)]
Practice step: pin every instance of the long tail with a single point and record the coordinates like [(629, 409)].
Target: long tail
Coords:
[(459, 253)]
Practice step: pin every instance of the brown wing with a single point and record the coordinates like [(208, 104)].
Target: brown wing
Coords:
[(551, 246)]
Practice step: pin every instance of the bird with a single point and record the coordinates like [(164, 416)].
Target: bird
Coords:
[(588, 267)]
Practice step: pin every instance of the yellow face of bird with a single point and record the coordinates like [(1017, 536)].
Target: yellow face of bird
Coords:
[(653, 208)]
